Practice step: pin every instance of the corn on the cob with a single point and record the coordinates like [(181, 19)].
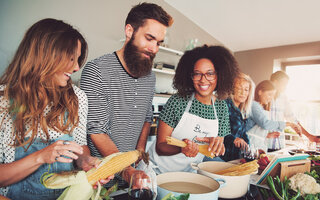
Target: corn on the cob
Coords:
[(112, 166), (203, 149), (83, 181), (239, 170)]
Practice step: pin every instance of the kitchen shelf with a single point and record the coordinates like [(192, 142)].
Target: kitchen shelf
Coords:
[(162, 95), (163, 71), (179, 53)]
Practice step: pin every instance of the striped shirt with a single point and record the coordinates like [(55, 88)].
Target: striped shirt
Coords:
[(119, 104)]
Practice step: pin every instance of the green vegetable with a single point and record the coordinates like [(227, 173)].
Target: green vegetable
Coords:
[(273, 188), (314, 174), (170, 196), (312, 196), (106, 192), (264, 193), (286, 187), (290, 130), (296, 196)]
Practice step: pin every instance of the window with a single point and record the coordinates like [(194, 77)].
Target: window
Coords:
[(304, 93)]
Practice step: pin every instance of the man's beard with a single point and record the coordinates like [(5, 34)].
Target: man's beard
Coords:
[(137, 64)]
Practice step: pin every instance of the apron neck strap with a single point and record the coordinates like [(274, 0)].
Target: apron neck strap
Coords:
[(190, 103)]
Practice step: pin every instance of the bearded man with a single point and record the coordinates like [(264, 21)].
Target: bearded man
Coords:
[(120, 86)]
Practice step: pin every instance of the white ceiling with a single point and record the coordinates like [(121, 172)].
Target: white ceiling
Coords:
[(252, 24)]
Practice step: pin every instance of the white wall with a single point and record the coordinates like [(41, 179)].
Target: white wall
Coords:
[(100, 21)]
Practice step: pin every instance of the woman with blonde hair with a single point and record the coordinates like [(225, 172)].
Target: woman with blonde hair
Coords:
[(239, 105), (43, 115), (259, 126)]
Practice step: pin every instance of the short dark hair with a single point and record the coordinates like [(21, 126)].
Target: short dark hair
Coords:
[(278, 75), (224, 63), (143, 11)]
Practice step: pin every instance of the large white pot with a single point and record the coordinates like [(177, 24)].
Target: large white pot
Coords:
[(236, 186), (170, 177)]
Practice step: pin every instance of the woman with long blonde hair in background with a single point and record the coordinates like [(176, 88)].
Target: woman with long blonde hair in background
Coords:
[(43, 115), (239, 105)]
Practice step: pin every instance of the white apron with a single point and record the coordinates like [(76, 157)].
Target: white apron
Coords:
[(189, 127)]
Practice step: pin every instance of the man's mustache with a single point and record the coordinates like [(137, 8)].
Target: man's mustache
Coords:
[(150, 54)]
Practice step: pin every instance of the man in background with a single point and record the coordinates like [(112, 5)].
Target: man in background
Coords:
[(281, 111), (120, 86)]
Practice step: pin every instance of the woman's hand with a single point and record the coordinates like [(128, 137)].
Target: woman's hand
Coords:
[(215, 144), (273, 135), (240, 143), (295, 127), (191, 150), (56, 152)]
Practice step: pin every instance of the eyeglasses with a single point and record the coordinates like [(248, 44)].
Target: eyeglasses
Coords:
[(210, 76)]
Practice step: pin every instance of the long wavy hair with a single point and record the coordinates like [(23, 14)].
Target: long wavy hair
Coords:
[(29, 85), (245, 107), (263, 86), (224, 63)]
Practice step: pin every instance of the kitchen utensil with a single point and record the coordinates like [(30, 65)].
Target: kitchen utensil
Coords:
[(236, 186), (189, 178)]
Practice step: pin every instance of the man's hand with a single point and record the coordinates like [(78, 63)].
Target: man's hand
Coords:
[(88, 162)]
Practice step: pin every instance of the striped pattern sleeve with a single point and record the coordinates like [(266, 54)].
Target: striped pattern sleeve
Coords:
[(91, 83)]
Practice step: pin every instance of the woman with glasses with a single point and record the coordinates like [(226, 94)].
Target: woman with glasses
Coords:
[(239, 104), (197, 113)]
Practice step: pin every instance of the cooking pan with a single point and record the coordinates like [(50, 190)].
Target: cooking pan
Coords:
[(236, 186), (187, 177)]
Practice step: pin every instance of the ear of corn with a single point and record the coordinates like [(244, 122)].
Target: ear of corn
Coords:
[(79, 184), (81, 190), (203, 149), (112, 166)]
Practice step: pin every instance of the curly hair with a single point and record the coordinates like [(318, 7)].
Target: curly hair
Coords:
[(223, 61), (30, 86)]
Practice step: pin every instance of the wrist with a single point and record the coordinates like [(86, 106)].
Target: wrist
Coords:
[(126, 173)]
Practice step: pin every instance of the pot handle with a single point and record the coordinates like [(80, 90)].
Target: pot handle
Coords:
[(194, 166), (221, 181)]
